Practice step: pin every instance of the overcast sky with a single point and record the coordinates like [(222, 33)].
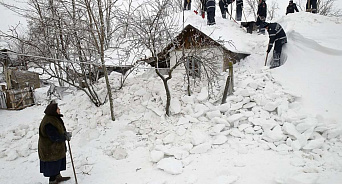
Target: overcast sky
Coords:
[(9, 18)]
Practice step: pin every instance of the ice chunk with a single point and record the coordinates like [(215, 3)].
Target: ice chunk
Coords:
[(170, 165), (201, 148), (156, 156)]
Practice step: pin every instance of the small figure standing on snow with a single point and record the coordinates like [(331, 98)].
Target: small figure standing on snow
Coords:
[(262, 13), (277, 35), (291, 7), (223, 4), (187, 4), (211, 12), (239, 6), (51, 144), (311, 6)]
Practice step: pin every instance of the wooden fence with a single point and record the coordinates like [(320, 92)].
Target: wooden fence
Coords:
[(19, 98)]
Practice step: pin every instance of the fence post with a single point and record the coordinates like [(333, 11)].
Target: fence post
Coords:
[(231, 86), (228, 89)]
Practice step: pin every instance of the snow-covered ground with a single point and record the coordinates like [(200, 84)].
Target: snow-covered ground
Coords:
[(281, 126)]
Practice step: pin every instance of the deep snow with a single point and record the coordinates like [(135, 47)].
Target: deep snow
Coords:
[(281, 126)]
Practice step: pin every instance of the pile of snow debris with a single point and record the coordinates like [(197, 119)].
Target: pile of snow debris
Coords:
[(259, 111)]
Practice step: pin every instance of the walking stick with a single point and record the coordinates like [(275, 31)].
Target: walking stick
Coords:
[(266, 58), (72, 162)]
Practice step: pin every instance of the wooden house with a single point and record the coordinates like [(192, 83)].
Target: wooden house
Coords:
[(195, 46)]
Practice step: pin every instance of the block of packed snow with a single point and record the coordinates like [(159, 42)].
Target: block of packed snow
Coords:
[(236, 106), (243, 126), (218, 120), (156, 156), (333, 133), (235, 98), (235, 117), (198, 137), (224, 107), (203, 95), (272, 146), (201, 148), (169, 138), (219, 139), (178, 152), (188, 109), (187, 161), (226, 179), (288, 141), (321, 128), (187, 146), (268, 124), (191, 119), (182, 121), (249, 105), (253, 85), (188, 99), (175, 106), (274, 135), (259, 99), (302, 127), (257, 127), (296, 146), (314, 144), (236, 133), (249, 130), (293, 116), (308, 133), (181, 131), (217, 128), (271, 106), (248, 113), (283, 107), (170, 165), (264, 114), (246, 100), (213, 114), (244, 92), (200, 107), (290, 129)]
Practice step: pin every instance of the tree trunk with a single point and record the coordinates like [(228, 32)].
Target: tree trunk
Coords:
[(102, 45)]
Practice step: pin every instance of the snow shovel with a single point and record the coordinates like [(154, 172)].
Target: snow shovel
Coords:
[(266, 58), (72, 162)]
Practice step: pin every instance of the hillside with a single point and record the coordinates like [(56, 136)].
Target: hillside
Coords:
[(280, 126)]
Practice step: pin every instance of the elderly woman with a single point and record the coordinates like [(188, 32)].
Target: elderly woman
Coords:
[(51, 144)]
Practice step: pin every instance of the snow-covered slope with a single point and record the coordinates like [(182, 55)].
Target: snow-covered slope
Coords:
[(314, 62), (270, 131)]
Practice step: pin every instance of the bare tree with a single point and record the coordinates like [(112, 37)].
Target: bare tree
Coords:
[(67, 39), (271, 10), (253, 7)]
